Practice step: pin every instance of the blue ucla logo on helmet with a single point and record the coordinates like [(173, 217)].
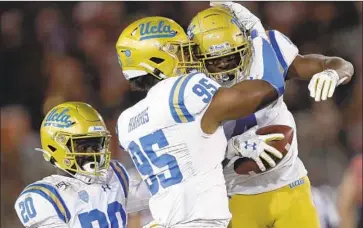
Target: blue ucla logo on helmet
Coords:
[(160, 30), (58, 118)]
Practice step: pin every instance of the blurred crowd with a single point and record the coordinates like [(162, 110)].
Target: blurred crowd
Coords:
[(53, 52)]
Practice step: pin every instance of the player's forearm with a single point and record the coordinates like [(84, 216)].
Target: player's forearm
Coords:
[(251, 96), (304, 67), (239, 101), (344, 68)]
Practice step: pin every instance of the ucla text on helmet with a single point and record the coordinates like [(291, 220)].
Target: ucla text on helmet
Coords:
[(151, 30)]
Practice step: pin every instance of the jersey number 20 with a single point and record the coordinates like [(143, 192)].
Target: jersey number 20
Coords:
[(165, 162), (27, 209)]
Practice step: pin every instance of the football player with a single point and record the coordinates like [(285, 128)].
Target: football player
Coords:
[(227, 47), (175, 135), (89, 189)]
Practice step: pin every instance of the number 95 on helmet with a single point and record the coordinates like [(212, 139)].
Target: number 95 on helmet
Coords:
[(155, 46)]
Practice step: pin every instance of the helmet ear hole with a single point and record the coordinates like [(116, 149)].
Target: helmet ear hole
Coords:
[(52, 148), (156, 60)]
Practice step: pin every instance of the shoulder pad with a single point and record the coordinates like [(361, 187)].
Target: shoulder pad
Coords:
[(122, 175), (190, 95), (38, 202)]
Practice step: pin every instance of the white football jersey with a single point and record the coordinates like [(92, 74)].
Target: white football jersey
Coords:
[(180, 164), (61, 201), (291, 167)]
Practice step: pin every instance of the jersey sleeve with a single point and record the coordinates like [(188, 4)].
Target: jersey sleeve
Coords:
[(285, 50), (190, 95), (40, 205), (122, 176), (267, 64)]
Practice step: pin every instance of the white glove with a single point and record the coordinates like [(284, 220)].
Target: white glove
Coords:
[(322, 85), (254, 146), (247, 19)]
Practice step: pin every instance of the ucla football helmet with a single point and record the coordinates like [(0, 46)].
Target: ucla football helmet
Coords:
[(157, 46), (224, 47), (75, 139)]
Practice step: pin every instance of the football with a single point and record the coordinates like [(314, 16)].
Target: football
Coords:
[(246, 165)]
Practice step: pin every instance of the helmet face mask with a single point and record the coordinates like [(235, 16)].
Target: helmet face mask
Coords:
[(226, 68), (224, 48), (185, 53), (89, 155), (81, 148)]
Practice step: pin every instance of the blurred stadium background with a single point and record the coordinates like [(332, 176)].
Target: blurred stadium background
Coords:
[(61, 51)]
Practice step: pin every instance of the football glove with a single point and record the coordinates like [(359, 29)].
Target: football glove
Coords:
[(253, 146), (322, 85)]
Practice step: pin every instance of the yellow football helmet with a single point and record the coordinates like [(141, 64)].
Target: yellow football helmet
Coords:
[(156, 46), (75, 139), (224, 47)]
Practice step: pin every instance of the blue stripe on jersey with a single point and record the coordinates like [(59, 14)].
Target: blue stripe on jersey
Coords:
[(244, 124), (278, 52), (171, 104), (122, 176), (176, 100), (52, 195), (271, 72)]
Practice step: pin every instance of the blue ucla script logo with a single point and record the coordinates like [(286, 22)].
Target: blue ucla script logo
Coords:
[(296, 183), (58, 118), (148, 31)]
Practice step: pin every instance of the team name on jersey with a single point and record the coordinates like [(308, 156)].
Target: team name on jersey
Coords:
[(138, 120)]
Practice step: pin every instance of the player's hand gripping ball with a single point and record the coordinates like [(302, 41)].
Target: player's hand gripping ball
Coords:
[(248, 165)]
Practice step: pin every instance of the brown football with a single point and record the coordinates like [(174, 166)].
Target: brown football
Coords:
[(247, 165)]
